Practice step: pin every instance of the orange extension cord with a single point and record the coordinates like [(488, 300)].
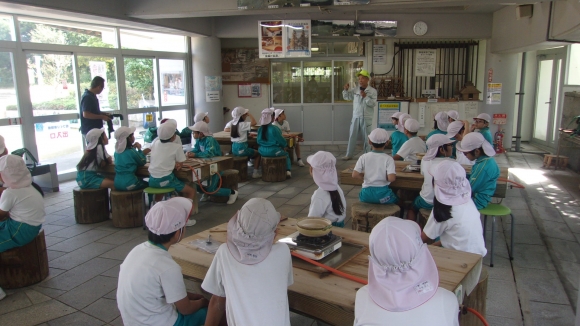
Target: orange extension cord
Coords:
[(365, 282), (199, 182), (515, 184)]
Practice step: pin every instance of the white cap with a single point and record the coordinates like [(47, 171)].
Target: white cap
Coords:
[(14, 172), (2, 145), (474, 140), (166, 130), (451, 184), (324, 170), (442, 121), (201, 127), (277, 113), (168, 216), (200, 116), (396, 115), (92, 138), (433, 144), (483, 116), (379, 136), (453, 114), (412, 125), (266, 117), (402, 118), (121, 135), (237, 113), (453, 128)]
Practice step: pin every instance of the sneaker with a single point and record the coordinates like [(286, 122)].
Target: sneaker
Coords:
[(204, 197), (346, 158), (250, 162), (233, 197), (2, 294), (300, 163), (288, 175), (257, 174), (190, 222)]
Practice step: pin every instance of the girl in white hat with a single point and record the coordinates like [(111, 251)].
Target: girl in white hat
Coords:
[(128, 157), (398, 137), (239, 131), (409, 150), (441, 122), (271, 141), (328, 200), (281, 122), (95, 157)]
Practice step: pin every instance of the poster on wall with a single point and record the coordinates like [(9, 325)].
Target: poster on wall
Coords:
[(249, 90), (298, 40), (351, 2), (275, 4), (380, 54), (385, 28), (251, 4), (343, 27), (213, 87), (493, 93), (272, 35), (244, 65), (99, 68), (425, 62), (321, 27), (386, 111), (315, 3)]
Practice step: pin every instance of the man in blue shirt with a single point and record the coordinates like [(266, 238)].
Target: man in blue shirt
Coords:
[(91, 115)]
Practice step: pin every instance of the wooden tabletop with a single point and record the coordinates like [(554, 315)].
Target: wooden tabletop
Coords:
[(329, 298), (414, 180), (224, 138)]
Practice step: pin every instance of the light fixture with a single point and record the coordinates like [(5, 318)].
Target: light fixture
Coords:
[(315, 48)]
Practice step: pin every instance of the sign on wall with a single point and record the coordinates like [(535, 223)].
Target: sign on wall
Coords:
[(386, 111), (272, 35), (244, 65), (493, 93), (425, 62), (380, 54), (298, 38), (499, 118)]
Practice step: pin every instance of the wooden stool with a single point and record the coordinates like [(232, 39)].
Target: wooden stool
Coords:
[(128, 208), (91, 205), (476, 300), (273, 169), (559, 161), (241, 164), (423, 217), (229, 180), (365, 216), (24, 266)]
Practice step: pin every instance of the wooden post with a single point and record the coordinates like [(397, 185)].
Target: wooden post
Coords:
[(230, 181), (127, 208), (273, 169), (476, 300), (24, 266), (91, 205), (241, 164), (365, 216)]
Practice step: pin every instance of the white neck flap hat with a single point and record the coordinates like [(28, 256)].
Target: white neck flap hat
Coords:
[(324, 170), (379, 136), (14, 172), (277, 113), (200, 116), (201, 127), (402, 118), (2, 145), (451, 185), (92, 138), (475, 140), (453, 114), (237, 113), (454, 128), (121, 135), (168, 216), (433, 144), (166, 130), (412, 125), (266, 117), (442, 121)]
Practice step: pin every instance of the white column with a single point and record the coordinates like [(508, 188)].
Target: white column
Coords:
[(207, 62)]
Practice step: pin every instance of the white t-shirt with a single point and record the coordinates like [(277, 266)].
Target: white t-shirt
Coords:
[(24, 204), (461, 158), (285, 126), (321, 205), (100, 155), (177, 141), (255, 294), (375, 166), (149, 283), (411, 147), (461, 232), (228, 125), (243, 128), (441, 310), (427, 189), (163, 158)]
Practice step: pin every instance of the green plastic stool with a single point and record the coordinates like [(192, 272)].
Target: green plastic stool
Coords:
[(150, 191), (497, 210)]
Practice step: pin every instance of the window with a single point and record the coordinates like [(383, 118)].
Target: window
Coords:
[(12, 137), (345, 73), (317, 82), (139, 121), (352, 48), (8, 102), (52, 86), (139, 40), (574, 65), (59, 142), (89, 68), (66, 33), (140, 83), (172, 82), (286, 78), (6, 28)]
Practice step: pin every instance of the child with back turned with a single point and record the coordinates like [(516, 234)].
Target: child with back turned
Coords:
[(328, 200)]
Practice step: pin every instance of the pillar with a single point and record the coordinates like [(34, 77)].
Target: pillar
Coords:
[(207, 62)]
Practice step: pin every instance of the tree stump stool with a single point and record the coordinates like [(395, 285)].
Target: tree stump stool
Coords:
[(91, 205), (365, 216), (558, 161), (273, 169), (423, 217), (128, 208), (24, 266), (229, 180), (241, 164), (476, 300)]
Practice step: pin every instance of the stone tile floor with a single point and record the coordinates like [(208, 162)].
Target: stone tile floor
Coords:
[(538, 287)]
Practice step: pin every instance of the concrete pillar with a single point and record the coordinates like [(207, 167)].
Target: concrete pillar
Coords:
[(207, 62)]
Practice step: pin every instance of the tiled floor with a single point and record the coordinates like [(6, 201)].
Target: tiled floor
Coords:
[(539, 287)]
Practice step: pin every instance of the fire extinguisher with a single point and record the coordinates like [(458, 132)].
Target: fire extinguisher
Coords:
[(498, 143)]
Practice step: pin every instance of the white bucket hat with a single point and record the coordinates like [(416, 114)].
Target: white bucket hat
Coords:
[(14, 172), (474, 140), (200, 116), (442, 121), (379, 136), (412, 125), (433, 144), (92, 138), (168, 216), (237, 113), (201, 127), (266, 117), (121, 135), (324, 170), (451, 185)]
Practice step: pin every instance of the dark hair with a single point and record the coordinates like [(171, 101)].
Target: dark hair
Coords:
[(472, 152), (160, 239), (128, 145), (234, 129), (444, 147), (435, 125), (461, 130), (97, 82), (37, 187), (378, 145), (441, 212), (90, 156), (265, 132), (412, 133), (337, 204)]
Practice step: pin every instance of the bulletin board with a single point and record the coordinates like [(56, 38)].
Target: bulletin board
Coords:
[(467, 110), (243, 65), (385, 112)]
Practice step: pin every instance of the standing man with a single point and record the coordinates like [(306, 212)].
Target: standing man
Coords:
[(363, 101), (91, 115)]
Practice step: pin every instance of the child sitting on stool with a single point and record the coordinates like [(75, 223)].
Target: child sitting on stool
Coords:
[(166, 156), (378, 171), (328, 200), (270, 140), (440, 124), (95, 156), (398, 137), (239, 130), (412, 146), (281, 122), (484, 173), (205, 147), (128, 157)]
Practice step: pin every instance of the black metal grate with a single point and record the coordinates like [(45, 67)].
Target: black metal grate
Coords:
[(457, 63)]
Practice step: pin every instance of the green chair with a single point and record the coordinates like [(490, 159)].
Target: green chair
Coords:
[(497, 210), (151, 192)]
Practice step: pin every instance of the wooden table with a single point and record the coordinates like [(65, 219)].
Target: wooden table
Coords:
[(414, 180), (223, 137), (329, 298)]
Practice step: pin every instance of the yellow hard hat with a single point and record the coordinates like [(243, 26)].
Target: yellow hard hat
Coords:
[(364, 73)]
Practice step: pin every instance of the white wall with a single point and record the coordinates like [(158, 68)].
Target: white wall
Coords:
[(565, 24)]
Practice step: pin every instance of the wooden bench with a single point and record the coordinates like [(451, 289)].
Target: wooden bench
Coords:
[(24, 266), (557, 161), (241, 164), (273, 169), (365, 216), (477, 300), (128, 208), (229, 180), (91, 205)]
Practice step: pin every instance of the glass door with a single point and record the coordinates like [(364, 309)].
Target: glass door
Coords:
[(548, 84)]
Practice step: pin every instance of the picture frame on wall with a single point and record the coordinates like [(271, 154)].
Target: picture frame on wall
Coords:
[(244, 65)]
